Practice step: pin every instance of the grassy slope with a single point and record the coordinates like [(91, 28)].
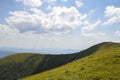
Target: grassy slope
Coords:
[(19, 65), (104, 64), (17, 58)]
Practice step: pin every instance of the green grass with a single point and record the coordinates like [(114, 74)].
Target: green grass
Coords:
[(103, 64), (25, 64), (101, 61), (17, 58), (20, 65)]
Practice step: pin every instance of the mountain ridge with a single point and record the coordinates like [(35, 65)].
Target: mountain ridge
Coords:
[(31, 64), (101, 65)]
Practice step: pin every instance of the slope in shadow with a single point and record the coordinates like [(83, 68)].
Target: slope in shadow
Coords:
[(38, 63)]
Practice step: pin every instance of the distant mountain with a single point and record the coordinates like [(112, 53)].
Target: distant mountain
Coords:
[(102, 64), (97, 62), (5, 51)]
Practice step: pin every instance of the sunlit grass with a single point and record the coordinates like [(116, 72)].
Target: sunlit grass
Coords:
[(104, 64)]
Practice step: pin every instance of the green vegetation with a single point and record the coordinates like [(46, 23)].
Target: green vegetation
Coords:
[(98, 62), (102, 64), (19, 65), (17, 58)]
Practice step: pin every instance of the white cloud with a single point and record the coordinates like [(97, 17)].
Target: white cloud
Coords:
[(24, 21), (86, 31), (79, 3), (7, 33), (4, 29), (113, 15), (60, 19), (31, 3), (90, 27), (117, 33), (22, 24)]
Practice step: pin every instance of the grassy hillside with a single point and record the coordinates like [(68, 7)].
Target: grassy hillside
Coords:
[(103, 64), (19, 65)]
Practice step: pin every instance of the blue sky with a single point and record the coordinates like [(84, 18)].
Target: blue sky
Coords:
[(74, 24)]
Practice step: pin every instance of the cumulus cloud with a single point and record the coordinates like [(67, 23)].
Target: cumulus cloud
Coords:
[(60, 19), (90, 27), (25, 21), (79, 3), (31, 3), (7, 33), (86, 31), (113, 15), (4, 29), (117, 33)]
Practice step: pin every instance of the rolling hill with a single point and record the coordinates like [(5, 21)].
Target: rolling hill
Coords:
[(102, 64), (21, 65), (97, 62)]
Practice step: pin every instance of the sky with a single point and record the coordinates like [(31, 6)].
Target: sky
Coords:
[(66, 24)]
